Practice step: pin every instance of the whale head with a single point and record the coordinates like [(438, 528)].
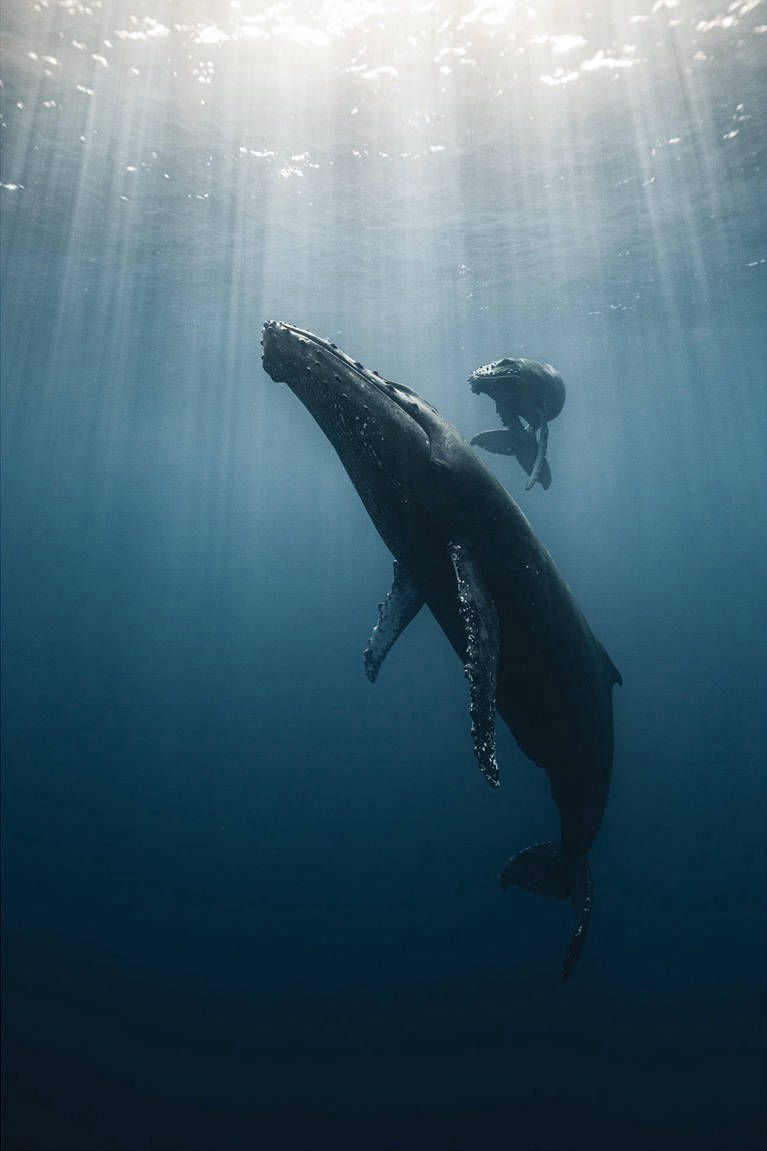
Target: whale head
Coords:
[(356, 408), (523, 387), (372, 423)]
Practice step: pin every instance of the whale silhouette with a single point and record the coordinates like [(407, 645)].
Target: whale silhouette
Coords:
[(462, 546)]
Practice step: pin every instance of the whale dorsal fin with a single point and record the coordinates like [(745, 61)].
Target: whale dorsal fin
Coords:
[(612, 672), (403, 601), (482, 631)]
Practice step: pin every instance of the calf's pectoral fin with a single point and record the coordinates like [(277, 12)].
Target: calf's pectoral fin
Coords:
[(482, 634), (501, 441), (402, 603), (508, 441), (541, 455)]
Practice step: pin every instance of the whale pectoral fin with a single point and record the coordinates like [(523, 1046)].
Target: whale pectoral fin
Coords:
[(482, 630), (541, 456), (500, 441), (402, 603), (544, 476)]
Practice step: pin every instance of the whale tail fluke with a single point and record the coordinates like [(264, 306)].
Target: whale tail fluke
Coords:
[(546, 870)]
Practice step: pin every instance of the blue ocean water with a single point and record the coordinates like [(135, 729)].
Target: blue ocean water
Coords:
[(251, 901)]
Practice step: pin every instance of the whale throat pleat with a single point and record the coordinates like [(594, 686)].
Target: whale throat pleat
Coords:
[(482, 631), (403, 602)]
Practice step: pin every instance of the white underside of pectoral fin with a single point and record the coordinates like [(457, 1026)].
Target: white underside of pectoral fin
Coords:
[(403, 601), (482, 630)]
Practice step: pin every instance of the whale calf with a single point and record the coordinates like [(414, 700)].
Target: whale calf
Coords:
[(463, 547), (527, 389)]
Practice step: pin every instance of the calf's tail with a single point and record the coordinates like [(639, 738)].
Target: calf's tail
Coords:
[(547, 870)]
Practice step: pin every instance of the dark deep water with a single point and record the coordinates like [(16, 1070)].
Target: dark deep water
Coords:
[(251, 901)]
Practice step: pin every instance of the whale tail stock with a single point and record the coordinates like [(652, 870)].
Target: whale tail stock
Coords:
[(546, 870)]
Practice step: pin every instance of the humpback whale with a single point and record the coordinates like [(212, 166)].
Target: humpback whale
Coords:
[(463, 547), (527, 389)]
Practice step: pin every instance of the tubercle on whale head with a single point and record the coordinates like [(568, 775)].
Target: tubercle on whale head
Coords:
[(278, 341), (484, 378)]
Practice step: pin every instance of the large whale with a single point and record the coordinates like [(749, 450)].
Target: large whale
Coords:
[(462, 546)]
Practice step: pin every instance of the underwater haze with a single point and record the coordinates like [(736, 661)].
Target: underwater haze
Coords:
[(250, 900)]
